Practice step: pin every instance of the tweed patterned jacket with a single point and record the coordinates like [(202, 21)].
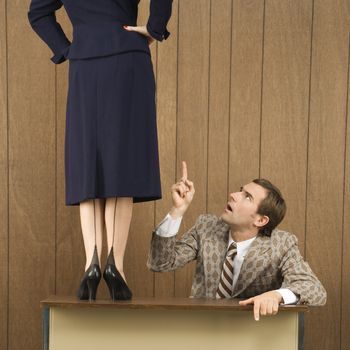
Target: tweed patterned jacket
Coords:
[(271, 262)]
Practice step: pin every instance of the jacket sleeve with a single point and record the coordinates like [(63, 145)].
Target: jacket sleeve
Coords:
[(42, 19), (168, 254), (298, 276), (160, 13)]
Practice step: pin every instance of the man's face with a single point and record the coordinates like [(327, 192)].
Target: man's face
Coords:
[(241, 209)]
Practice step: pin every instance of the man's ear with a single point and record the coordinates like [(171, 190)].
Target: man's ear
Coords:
[(261, 220)]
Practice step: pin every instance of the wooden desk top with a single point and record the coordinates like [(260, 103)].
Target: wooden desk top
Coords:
[(160, 303)]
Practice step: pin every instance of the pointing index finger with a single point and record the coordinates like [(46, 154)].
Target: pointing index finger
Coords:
[(184, 170)]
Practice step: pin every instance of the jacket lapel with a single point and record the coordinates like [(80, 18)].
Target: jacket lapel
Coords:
[(253, 263), (214, 253)]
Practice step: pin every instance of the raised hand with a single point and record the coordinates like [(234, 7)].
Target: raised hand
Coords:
[(182, 194)]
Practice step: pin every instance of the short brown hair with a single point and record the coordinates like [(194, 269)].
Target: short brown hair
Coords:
[(273, 206)]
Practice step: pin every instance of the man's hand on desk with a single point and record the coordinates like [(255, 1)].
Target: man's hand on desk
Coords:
[(264, 304)]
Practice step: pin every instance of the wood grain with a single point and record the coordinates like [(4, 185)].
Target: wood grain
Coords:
[(325, 183), (345, 278), (31, 103), (3, 180), (285, 103), (167, 127), (219, 105), (192, 136), (163, 303), (245, 109)]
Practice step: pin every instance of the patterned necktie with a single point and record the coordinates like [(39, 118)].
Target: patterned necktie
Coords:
[(225, 286)]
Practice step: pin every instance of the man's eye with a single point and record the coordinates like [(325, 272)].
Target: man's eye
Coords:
[(247, 196)]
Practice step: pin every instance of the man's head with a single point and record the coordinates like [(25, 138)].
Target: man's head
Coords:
[(258, 206)]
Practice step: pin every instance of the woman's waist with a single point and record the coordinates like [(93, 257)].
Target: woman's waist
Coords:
[(91, 40)]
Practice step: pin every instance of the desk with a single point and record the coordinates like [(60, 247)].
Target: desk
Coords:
[(166, 323)]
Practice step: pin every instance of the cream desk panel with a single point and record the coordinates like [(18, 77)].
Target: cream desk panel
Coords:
[(127, 329)]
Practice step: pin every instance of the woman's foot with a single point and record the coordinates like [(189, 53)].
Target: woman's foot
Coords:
[(117, 286), (89, 283)]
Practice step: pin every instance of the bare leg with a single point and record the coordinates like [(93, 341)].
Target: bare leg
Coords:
[(92, 224), (118, 213)]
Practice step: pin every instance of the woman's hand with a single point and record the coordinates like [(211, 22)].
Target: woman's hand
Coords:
[(142, 30)]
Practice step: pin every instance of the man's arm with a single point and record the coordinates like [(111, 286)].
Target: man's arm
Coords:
[(168, 254), (298, 276)]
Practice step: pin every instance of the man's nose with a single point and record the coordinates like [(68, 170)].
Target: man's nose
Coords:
[(233, 196)]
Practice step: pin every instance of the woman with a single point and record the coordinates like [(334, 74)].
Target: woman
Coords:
[(111, 147)]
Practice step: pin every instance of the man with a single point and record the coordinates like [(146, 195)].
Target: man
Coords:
[(241, 254)]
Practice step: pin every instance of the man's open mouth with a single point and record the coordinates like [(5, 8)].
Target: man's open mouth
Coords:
[(228, 207)]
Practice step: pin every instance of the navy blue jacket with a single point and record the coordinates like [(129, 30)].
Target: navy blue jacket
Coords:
[(97, 26)]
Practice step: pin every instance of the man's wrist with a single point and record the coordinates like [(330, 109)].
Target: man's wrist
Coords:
[(169, 227), (288, 297), (176, 213), (278, 295)]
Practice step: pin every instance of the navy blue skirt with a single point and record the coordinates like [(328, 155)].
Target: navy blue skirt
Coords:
[(111, 146)]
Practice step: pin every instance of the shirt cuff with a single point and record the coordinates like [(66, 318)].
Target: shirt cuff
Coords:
[(288, 296), (168, 227)]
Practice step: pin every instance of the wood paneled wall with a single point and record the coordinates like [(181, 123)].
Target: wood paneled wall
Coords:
[(245, 89)]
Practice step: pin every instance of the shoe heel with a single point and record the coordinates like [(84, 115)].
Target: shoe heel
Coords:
[(92, 288), (90, 281), (117, 287), (83, 290), (110, 286)]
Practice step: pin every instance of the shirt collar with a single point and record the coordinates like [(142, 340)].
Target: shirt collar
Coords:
[(243, 246)]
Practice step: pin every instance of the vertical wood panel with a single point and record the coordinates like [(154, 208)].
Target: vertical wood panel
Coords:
[(219, 104), (345, 311), (285, 105), (326, 166), (3, 180), (31, 77), (246, 70), (193, 80), (140, 279), (166, 117)]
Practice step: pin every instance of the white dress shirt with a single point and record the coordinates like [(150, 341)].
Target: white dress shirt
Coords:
[(169, 227)]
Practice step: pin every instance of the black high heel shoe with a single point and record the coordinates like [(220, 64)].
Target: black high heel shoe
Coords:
[(118, 289), (90, 280)]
